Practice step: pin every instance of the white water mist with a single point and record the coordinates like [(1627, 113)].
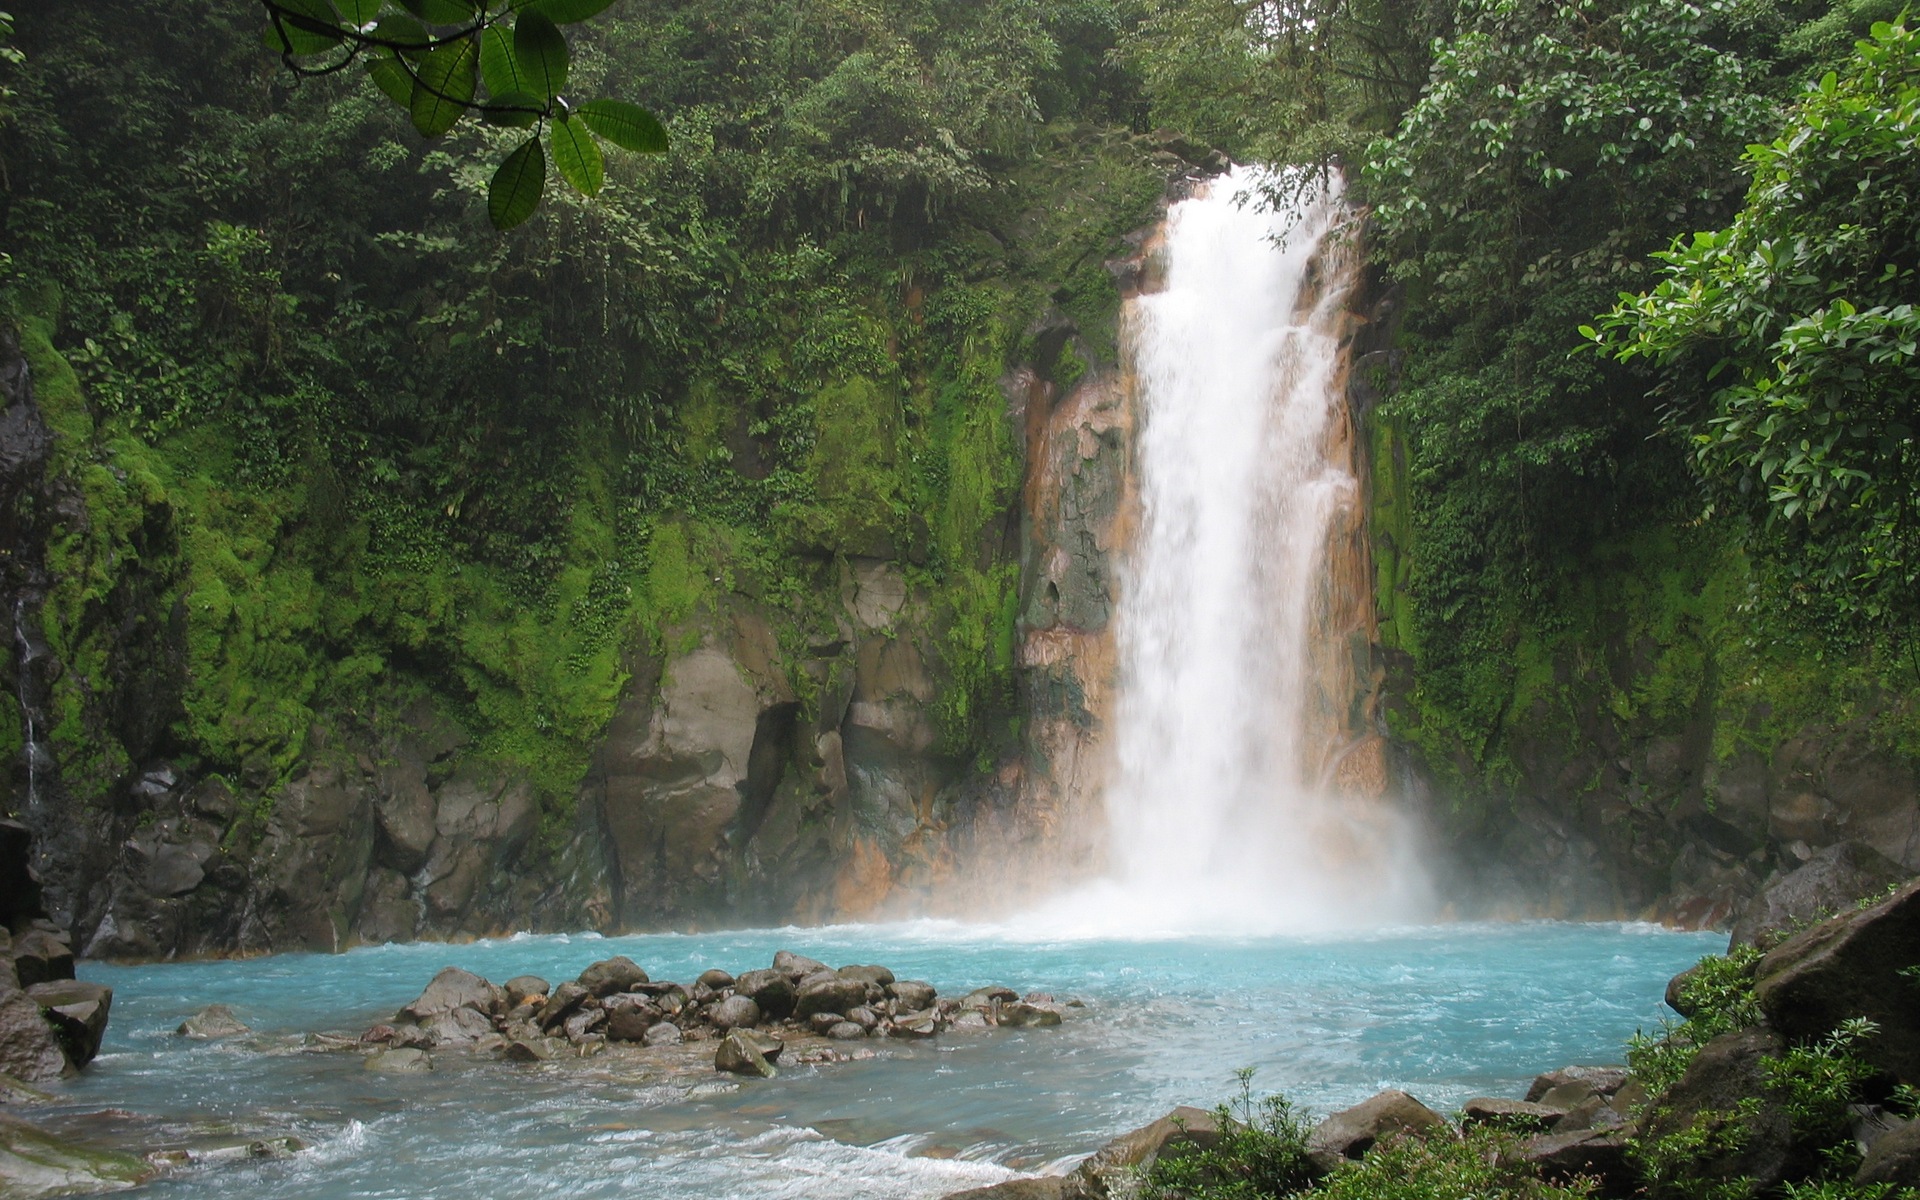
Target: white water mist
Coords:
[(1223, 815)]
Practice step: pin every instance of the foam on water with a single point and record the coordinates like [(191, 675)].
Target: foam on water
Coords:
[(1445, 1012)]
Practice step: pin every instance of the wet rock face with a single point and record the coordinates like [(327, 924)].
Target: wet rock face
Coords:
[(50, 1023), (1831, 881), (1849, 966)]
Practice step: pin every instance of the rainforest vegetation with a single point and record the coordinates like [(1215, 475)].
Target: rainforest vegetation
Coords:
[(405, 455)]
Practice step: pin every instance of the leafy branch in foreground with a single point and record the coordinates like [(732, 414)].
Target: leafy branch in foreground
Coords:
[(1790, 336), (505, 61)]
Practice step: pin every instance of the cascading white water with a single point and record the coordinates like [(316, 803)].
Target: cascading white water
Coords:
[(1222, 814)]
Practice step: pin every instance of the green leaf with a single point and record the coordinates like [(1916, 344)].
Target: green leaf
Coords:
[(627, 126), (288, 38), (513, 110), (542, 51), (314, 16), (359, 12), (445, 87), (578, 156), (392, 78), (402, 30), (498, 66), (441, 12), (516, 187), (566, 12)]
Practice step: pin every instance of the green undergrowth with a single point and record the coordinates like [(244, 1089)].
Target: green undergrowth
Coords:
[(1657, 633), (1811, 1083)]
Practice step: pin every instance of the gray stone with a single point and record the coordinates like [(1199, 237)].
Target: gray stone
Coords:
[(41, 956), (522, 988), (176, 870), (829, 995), (78, 1012), (771, 990), (876, 975), (527, 1050), (986, 999), (1728, 1072), (1020, 1014), (457, 1026), (1591, 1153), (1350, 1133), (863, 1016), (1849, 966), (1605, 1080), (971, 1019), (29, 1050), (1112, 1168), (797, 966), (716, 979), (912, 994), (1894, 1158), (629, 1017), (1509, 1114), (735, 1012), (617, 974), (35, 1166), (403, 1061), (741, 1055), (820, 1022), (583, 1023), (1831, 882), (924, 1024), (663, 1033), (560, 1005), (846, 1031), (454, 988)]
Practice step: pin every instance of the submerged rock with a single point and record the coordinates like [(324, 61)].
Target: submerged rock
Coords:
[(211, 1023), (34, 1164), (402, 1061)]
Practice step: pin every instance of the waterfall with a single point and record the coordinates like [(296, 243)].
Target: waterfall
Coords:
[(1229, 802)]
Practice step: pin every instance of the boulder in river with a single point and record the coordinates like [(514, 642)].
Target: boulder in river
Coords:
[(454, 988), (560, 1005), (1020, 1014), (741, 1054), (629, 1017), (735, 1012), (522, 988), (912, 994), (1116, 1164), (830, 995), (78, 1012), (797, 966), (1849, 966), (1350, 1133), (34, 1164), (41, 954), (211, 1023), (1832, 881), (716, 979), (663, 1033), (876, 975), (771, 990), (403, 1061), (458, 1026), (616, 974)]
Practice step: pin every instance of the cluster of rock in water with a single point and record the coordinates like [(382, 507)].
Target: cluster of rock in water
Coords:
[(751, 1017), (50, 1023)]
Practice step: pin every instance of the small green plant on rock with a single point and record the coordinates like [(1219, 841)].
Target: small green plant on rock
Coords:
[(1719, 995), (1262, 1153)]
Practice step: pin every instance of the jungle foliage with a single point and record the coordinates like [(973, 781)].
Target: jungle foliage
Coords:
[(368, 451)]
